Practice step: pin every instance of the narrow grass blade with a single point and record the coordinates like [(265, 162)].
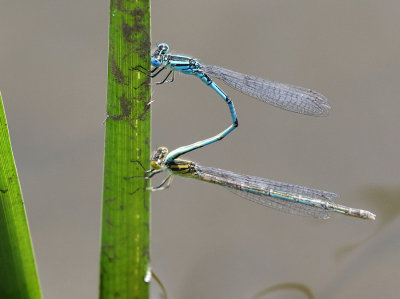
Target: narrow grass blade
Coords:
[(125, 239), (18, 275)]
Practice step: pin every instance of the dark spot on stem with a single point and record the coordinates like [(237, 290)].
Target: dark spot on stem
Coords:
[(116, 72), (146, 252), (109, 252), (126, 109), (109, 222), (138, 13), (119, 5), (133, 193), (143, 45), (145, 202), (144, 115), (127, 31)]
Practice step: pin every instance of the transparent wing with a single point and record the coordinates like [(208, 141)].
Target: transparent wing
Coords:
[(256, 189), (283, 205), (289, 97)]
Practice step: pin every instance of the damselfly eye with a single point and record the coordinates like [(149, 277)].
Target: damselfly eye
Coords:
[(163, 48), (160, 153), (155, 61)]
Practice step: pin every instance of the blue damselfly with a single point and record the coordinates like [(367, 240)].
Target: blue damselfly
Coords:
[(285, 96)]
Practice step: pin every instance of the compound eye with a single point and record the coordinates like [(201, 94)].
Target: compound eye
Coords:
[(163, 150), (155, 165), (155, 62), (163, 47)]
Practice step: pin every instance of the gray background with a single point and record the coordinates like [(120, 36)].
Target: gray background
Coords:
[(207, 242)]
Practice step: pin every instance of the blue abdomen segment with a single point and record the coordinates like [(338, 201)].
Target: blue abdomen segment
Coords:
[(194, 69), (207, 80)]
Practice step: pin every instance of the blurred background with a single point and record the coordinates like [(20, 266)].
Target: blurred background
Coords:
[(206, 241)]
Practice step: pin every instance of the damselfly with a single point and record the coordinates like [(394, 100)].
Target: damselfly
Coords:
[(281, 196), (285, 96)]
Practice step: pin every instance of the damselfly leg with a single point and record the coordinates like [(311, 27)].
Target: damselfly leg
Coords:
[(163, 185), (153, 73), (148, 174)]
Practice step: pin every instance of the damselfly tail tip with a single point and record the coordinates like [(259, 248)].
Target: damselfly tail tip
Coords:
[(367, 215), (370, 216)]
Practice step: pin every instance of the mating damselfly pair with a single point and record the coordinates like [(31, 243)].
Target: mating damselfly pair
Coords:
[(281, 196)]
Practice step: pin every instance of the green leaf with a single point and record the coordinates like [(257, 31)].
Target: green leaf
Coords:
[(125, 239), (18, 275)]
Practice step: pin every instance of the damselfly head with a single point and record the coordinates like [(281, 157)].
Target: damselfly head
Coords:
[(156, 58), (159, 157)]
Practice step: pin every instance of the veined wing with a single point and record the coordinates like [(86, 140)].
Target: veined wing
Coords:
[(257, 189), (282, 205), (289, 97)]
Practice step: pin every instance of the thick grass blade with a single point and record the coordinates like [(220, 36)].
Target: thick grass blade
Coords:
[(18, 275), (125, 239)]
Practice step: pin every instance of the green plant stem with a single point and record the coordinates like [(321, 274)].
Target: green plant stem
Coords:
[(125, 239), (18, 275)]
